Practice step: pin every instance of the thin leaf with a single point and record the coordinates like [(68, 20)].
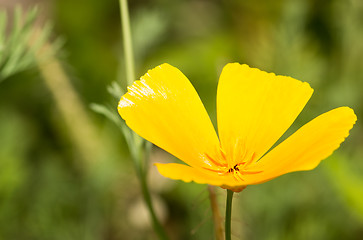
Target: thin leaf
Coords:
[(103, 110), (23, 42), (115, 90)]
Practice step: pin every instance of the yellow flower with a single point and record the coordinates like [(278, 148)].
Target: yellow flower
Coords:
[(254, 109)]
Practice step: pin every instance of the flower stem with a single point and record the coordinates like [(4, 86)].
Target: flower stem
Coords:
[(138, 150), (127, 42), (155, 221), (140, 157), (218, 225), (228, 214), (81, 129)]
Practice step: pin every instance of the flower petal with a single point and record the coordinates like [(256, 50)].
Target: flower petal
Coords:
[(187, 174), (164, 108), (308, 146), (254, 108)]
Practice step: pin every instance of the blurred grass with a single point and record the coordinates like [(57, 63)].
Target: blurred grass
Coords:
[(47, 195)]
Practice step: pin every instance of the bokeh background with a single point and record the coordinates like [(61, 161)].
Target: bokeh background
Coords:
[(65, 171)]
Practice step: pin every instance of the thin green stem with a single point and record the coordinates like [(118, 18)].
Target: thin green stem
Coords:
[(127, 42), (139, 157), (228, 215), (137, 148), (155, 221)]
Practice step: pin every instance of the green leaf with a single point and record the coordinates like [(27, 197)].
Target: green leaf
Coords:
[(21, 42), (113, 117), (115, 90)]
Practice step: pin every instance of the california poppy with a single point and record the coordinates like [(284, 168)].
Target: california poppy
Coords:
[(254, 109)]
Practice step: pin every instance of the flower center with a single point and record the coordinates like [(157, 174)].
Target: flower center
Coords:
[(235, 168), (238, 169)]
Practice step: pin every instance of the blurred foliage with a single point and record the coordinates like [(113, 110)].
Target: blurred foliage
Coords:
[(15, 39), (45, 193), (347, 181)]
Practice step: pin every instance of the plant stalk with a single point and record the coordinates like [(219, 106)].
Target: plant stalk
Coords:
[(70, 107), (228, 214), (127, 43), (218, 225), (155, 221), (138, 150)]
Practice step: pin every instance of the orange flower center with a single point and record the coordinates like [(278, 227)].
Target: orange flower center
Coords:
[(229, 165)]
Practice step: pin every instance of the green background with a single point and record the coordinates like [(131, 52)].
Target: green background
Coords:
[(49, 191)]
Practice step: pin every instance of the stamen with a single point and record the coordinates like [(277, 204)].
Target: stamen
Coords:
[(214, 161), (230, 166), (238, 175), (247, 172), (223, 153), (251, 159), (219, 170)]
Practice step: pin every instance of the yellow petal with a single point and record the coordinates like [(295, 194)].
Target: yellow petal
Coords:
[(187, 174), (308, 146), (254, 109), (164, 108)]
